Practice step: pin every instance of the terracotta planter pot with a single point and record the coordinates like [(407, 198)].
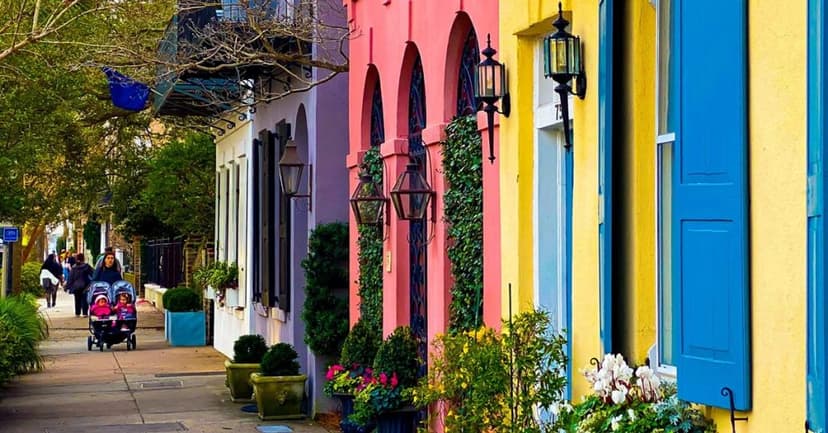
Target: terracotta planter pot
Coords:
[(279, 397), (238, 380)]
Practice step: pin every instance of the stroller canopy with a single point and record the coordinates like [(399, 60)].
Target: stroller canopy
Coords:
[(120, 287), (98, 288)]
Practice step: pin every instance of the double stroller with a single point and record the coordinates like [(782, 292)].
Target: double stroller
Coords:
[(112, 315)]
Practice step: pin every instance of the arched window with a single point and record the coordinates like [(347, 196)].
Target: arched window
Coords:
[(377, 123), (466, 102), (417, 229)]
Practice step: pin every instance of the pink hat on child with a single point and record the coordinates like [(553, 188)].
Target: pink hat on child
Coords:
[(99, 297)]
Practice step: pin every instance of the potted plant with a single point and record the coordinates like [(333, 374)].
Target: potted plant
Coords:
[(248, 351), (223, 276), (629, 400), (386, 396), (354, 368), (279, 388), (184, 318)]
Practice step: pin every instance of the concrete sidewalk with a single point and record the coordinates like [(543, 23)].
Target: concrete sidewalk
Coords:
[(155, 388)]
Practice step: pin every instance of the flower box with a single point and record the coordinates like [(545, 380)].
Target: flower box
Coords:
[(398, 421), (185, 328)]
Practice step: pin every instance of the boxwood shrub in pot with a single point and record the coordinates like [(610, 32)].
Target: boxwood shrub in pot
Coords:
[(279, 388), (248, 351), (184, 318)]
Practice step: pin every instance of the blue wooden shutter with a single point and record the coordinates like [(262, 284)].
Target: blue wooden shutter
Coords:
[(605, 100), (710, 192), (817, 336)]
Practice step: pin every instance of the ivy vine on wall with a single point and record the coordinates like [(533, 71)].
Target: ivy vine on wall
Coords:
[(462, 156), (370, 254)]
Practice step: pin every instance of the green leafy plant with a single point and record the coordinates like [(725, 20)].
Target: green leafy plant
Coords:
[(181, 299), (628, 400), (370, 254), (398, 355), (344, 380), (536, 358), (22, 327), (361, 345), (325, 313), (468, 372), (280, 360), (30, 279), (462, 156), (388, 386), (249, 349)]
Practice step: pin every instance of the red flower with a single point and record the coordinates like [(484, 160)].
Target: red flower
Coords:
[(394, 380), (383, 378)]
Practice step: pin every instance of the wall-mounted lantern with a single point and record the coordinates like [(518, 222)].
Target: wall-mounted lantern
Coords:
[(411, 194), (490, 87), (290, 174), (562, 62), (368, 202)]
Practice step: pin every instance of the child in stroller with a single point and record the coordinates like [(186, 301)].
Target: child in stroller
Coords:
[(111, 324)]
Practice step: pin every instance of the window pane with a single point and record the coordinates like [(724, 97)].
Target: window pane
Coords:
[(665, 286), (664, 49)]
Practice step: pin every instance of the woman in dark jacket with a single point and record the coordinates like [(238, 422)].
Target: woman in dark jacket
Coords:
[(49, 285), (108, 270), (79, 278)]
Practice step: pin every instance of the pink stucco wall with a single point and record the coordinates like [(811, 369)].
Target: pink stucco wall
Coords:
[(388, 36)]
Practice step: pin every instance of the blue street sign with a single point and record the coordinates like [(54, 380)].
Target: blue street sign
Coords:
[(11, 234)]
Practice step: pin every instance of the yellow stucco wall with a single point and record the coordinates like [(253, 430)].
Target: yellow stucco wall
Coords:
[(777, 193), (519, 29)]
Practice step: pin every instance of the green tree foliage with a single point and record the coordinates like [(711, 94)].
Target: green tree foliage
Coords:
[(462, 157), (326, 277), (180, 189), (30, 279)]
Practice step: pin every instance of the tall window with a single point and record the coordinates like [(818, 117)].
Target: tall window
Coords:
[(377, 122), (417, 229), (664, 141)]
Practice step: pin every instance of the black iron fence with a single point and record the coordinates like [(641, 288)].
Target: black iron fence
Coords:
[(163, 262)]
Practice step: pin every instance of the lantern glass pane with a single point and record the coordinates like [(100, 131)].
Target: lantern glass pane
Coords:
[(411, 194), (497, 81), (560, 57), (547, 58), (289, 175), (368, 211), (576, 63)]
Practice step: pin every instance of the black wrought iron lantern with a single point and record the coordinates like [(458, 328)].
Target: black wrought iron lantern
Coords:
[(367, 201), (290, 173), (562, 62), (411, 194), (491, 87)]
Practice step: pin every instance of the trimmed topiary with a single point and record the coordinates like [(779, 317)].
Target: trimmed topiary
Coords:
[(398, 354), (361, 345), (280, 360), (181, 299), (249, 349)]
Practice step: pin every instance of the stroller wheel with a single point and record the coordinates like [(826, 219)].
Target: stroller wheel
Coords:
[(89, 343)]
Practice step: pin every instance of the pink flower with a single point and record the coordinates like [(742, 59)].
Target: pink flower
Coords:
[(383, 378), (394, 380), (336, 368)]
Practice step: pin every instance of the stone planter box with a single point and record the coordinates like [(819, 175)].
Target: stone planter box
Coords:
[(279, 397), (238, 380)]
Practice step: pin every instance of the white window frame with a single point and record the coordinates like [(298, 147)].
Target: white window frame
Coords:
[(661, 140)]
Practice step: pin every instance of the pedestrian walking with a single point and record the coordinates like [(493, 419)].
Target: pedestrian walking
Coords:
[(51, 275), (108, 250), (79, 278), (108, 270)]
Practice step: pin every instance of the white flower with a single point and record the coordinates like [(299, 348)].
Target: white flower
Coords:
[(614, 422), (619, 396), (631, 414)]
